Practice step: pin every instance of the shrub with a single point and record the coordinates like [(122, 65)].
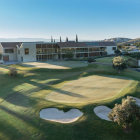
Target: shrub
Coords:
[(126, 113), (12, 72), (90, 60), (132, 62), (119, 63), (118, 52), (134, 55), (69, 55)]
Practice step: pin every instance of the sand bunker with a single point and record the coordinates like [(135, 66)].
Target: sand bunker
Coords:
[(55, 115), (137, 101), (102, 112)]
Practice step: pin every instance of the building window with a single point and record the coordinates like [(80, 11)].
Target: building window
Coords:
[(102, 48), (26, 51), (114, 48), (9, 51)]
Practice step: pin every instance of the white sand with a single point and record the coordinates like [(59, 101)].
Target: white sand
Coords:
[(102, 112), (137, 101), (55, 115)]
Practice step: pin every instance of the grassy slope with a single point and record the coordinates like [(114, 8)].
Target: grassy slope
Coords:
[(131, 62), (22, 98), (105, 60)]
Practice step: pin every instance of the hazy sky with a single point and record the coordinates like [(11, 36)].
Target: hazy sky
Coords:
[(90, 19)]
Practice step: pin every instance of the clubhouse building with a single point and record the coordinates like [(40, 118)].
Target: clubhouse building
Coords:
[(43, 51)]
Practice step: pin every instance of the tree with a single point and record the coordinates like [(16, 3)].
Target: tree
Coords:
[(119, 63), (126, 113), (60, 39), (0, 56), (67, 40), (117, 52), (76, 38), (69, 55), (13, 72), (51, 39), (120, 46)]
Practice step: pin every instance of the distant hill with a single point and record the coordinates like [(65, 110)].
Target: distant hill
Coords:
[(137, 40), (118, 39)]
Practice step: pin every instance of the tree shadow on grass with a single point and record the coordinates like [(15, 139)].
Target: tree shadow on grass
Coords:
[(19, 99), (49, 87), (22, 99), (56, 64), (9, 131), (43, 128)]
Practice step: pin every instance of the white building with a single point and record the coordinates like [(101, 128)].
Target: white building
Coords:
[(38, 51)]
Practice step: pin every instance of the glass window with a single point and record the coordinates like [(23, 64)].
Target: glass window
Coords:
[(114, 48), (26, 51), (9, 50)]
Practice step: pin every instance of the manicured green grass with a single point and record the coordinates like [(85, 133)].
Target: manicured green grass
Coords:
[(56, 64), (131, 62), (105, 60), (22, 97), (89, 89)]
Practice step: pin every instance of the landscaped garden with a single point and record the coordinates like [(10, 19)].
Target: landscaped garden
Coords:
[(22, 97)]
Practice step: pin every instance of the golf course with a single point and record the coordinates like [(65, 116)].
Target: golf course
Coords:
[(66, 87)]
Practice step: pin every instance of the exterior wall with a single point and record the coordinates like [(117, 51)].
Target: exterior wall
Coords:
[(12, 56), (138, 62), (18, 54), (1, 52), (27, 57), (110, 50), (1, 49)]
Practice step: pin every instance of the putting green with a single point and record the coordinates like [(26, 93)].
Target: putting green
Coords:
[(89, 89)]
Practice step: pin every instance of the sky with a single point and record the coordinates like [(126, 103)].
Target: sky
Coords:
[(90, 19)]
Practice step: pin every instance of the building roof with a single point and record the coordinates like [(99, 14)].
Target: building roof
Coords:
[(71, 44), (101, 43), (86, 44), (10, 44)]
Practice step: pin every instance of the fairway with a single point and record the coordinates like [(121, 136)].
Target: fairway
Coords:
[(56, 64), (89, 89), (23, 97)]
